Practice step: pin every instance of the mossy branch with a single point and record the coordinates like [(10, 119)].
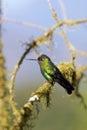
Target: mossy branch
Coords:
[(4, 91), (27, 112)]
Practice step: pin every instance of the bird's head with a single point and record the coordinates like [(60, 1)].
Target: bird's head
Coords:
[(43, 59)]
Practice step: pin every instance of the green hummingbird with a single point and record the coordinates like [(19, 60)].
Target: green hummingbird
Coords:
[(52, 74)]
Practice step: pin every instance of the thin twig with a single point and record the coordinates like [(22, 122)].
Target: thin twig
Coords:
[(27, 24), (63, 9), (60, 23), (69, 45), (71, 48), (17, 66)]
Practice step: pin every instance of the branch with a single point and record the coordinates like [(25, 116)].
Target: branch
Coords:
[(59, 24), (72, 49), (27, 112), (27, 24), (63, 9), (14, 73), (4, 91)]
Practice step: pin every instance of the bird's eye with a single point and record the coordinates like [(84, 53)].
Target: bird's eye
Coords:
[(41, 59)]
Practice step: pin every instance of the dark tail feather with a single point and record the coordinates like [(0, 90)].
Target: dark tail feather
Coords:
[(59, 78), (69, 89), (65, 84)]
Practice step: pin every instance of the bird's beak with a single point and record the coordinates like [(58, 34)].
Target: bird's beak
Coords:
[(32, 59)]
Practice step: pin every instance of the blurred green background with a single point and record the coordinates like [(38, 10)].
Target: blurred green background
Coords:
[(65, 112)]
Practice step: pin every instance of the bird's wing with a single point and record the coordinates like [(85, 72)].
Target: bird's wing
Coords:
[(59, 78)]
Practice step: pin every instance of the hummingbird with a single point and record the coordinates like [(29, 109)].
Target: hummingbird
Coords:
[(52, 74)]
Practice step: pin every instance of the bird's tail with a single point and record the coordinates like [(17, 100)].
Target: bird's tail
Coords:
[(59, 78), (69, 88), (65, 84)]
